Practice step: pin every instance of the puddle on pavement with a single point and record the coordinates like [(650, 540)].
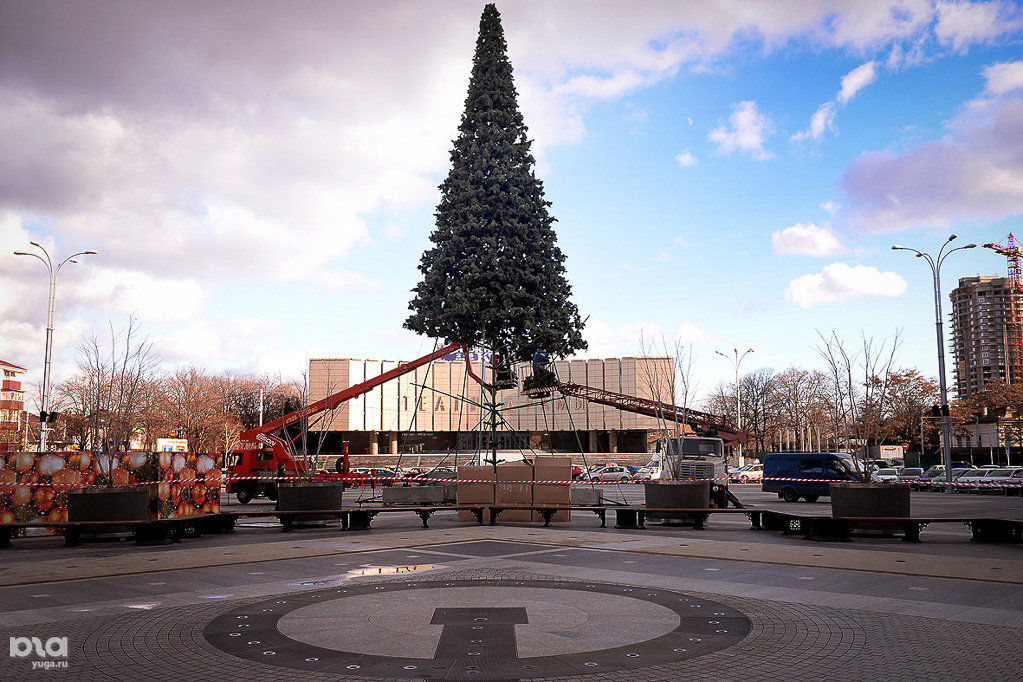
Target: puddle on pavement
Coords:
[(368, 571), (388, 570)]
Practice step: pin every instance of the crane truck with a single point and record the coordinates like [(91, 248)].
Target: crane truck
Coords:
[(253, 469)]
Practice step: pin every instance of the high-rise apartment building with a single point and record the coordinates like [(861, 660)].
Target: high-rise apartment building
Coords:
[(985, 326), (12, 402)]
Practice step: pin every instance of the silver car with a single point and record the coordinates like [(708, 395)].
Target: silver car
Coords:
[(608, 473)]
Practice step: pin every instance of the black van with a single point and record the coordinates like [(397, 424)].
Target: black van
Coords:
[(819, 467)]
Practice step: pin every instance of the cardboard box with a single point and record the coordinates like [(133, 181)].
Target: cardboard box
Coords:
[(552, 469), (514, 487), (474, 493)]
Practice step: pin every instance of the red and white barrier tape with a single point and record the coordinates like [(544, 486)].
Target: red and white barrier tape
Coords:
[(382, 479)]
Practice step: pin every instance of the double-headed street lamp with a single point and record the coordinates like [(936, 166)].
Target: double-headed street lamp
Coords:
[(736, 361), (44, 414), (935, 263)]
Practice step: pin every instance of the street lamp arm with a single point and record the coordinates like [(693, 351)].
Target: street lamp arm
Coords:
[(45, 252), (72, 256), (36, 256), (961, 248)]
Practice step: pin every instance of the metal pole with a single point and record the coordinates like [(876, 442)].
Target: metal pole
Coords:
[(43, 415), (51, 304), (738, 406), (946, 446), (935, 263), (260, 406)]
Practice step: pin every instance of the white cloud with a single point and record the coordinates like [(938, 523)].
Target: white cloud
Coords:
[(1003, 78), (830, 206), (746, 131), (975, 173), (156, 299), (961, 24), (823, 120), (854, 81), (663, 257), (841, 282), (690, 332), (806, 239), (686, 159)]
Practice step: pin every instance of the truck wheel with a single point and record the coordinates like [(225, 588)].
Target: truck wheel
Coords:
[(811, 498), (789, 495), (244, 494)]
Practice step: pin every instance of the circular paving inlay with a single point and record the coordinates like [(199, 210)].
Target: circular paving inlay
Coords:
[(477, 629)]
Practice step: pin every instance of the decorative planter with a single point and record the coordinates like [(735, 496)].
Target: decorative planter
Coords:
[(676, 495), (302, 496), (881, 500), (586, 496), (418, 496), (125, 503)]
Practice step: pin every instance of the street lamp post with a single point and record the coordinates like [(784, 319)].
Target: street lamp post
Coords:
[(736, 361), (53, 272), (935, 263)]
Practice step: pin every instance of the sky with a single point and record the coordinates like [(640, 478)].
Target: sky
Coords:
[(259, 178)]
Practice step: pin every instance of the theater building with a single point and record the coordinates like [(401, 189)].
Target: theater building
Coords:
[(437, 407)]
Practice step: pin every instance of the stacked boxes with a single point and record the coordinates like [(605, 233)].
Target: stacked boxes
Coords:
[(514, 486), (552, 469), (474, 493), (511, 490)]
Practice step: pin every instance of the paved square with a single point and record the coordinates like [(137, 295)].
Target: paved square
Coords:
[(464, 602)]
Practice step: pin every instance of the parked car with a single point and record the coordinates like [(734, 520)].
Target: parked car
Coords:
[(996, 477), (608, 473), (940, 481), (426, 478), (968, 481), (885, 475), (931, 474), (787, 474), (748, 474), (910, 475)]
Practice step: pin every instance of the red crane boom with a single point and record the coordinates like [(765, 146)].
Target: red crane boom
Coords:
[(653, 408), (1014, 328)]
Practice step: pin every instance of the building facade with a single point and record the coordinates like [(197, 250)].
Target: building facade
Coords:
[(12, 406), (437, 407), (984, 325)]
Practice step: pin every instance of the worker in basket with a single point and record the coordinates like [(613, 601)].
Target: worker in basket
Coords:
[(543, 377)]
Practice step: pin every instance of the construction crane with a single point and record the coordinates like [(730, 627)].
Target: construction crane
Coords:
[(1014, 326)]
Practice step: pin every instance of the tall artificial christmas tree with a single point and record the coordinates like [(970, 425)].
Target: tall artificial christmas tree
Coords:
[(495, 276)]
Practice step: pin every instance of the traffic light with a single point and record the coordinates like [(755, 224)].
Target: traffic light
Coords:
[(48, 417)]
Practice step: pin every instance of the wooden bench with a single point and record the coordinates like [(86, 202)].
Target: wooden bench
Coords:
[(360, 518), (546, 511), (634, 517), (827, 528)]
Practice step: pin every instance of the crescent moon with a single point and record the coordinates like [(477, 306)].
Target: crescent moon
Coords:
[(690, 121)]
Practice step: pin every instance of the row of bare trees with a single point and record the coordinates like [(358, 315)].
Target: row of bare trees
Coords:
[(120, 397), (860, 398)]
